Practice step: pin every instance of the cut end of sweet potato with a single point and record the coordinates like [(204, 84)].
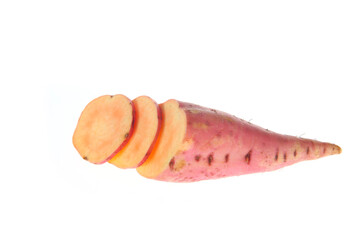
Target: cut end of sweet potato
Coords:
[(171, 136), (104, 127), (146, 129)]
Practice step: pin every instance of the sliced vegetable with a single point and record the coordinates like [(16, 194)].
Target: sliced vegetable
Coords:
[(142, 141), (104, 127)]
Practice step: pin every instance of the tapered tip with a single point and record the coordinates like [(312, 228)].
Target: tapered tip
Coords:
[(336, 149)]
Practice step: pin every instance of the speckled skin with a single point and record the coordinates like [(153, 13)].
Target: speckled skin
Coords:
[(220, 145)]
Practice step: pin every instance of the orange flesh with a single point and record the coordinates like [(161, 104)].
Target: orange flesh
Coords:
[(103, 128), (146, 127), (171, 136)]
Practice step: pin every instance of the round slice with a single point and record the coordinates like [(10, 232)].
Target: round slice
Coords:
[(104, 127), (146, 129), (171, 136)]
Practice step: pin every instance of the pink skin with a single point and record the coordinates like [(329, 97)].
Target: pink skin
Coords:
[(221, 145)]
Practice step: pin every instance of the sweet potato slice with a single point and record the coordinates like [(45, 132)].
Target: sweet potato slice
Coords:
[(146, 129), (169, 141), (104, 127)]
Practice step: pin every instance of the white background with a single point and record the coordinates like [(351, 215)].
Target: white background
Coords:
[(290, 66)]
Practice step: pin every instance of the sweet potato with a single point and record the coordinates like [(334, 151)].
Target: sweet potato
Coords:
[(193, 143), (142, 141), (104, 127), (197, 143)]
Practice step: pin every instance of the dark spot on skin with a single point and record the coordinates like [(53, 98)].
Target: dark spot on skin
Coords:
[(277, 155), (210, 159), (85, 158), (111, 96), (284, 157), (307, 150), (197, 158), (248, 157), (171, 164), (295, 153), (126, 135), (324, 150), (226, 158), (213, 110), (130, 102)]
